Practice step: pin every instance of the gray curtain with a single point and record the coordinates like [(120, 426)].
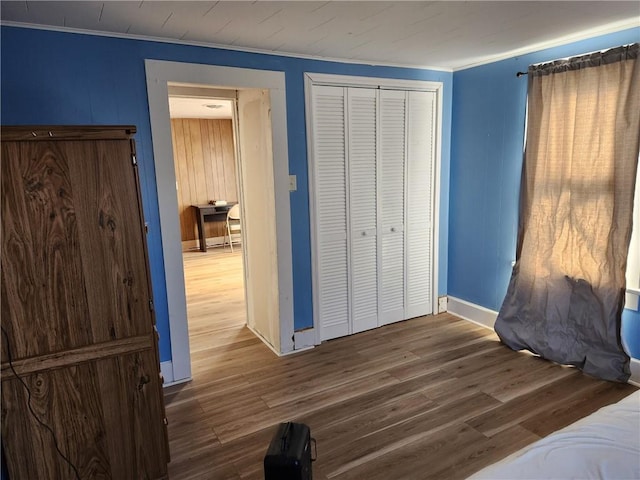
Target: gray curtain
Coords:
[(566, 294)]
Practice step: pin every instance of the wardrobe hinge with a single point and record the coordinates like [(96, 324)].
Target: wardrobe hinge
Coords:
[(134, 160), (146, 227), (151, 305)]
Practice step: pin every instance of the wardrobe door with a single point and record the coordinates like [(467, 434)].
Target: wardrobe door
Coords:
[(421, 110), (361, 161), (77, 316), (391, 200), (331, 207)]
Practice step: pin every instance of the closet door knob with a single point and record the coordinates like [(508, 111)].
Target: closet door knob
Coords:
[(393, 229), (364, 234)]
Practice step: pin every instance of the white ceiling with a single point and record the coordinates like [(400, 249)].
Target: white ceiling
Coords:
[(436, 34)]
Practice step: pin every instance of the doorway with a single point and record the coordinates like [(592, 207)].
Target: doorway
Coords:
[(260, 92), (203, 131)]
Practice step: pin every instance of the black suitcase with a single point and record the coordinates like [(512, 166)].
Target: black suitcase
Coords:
[(289, 454)]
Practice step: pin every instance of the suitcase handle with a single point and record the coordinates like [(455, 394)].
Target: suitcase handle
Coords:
[(314, 457), (285, 437)]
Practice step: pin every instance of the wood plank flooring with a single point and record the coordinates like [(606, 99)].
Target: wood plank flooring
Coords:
[(433, 397)]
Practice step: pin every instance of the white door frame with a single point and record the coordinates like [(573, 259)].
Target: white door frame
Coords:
[(311, 79), (159, 74)]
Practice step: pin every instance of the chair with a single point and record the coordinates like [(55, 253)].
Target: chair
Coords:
[(233, 225)]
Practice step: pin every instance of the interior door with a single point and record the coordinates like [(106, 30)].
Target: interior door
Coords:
[(258, 214), (419, 213), (331, 207), (362, 174), (392, 206)]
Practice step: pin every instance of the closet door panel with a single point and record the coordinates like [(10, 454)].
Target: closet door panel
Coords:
[(391, 200), (420, 171), (331, 207), (361, 128)]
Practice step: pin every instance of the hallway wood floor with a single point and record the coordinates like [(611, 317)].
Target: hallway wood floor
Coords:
[(432, 397)]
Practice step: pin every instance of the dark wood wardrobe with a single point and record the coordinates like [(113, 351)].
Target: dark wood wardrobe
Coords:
[(78, 326)]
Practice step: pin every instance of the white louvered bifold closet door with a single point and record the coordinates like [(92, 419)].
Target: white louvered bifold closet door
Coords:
[(361, 160), (372, 167), (421, 110), (391, 201), (331, 206)]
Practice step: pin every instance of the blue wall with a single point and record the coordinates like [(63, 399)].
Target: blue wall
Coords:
[(487, 138), (64, 78)]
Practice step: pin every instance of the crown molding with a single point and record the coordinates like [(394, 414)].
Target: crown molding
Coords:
[(147, 38), (557, 42)]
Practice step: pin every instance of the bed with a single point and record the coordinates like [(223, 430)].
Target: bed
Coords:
[(606, 445)]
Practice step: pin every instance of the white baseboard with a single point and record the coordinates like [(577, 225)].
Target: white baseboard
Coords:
[(487, 318), (473, 313), (304, 339)]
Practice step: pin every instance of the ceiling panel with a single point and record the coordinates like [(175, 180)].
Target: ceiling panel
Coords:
[(436, 34)]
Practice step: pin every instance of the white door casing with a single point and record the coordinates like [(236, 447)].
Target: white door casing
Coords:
[(159, 74)]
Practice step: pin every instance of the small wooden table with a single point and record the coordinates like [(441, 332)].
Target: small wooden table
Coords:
[(209, 213)]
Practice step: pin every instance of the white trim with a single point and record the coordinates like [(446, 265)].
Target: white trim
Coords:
[(335, 80), (634, 365), (175, 41), (556, 42), (437, 173), (166, 370), (280, 354), (159, 74), (305, 339), (486, 318), (311, 180), (442, 308), (631, 300), (471, 312)]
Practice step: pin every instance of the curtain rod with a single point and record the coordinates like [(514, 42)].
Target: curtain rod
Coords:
[(519, 74)]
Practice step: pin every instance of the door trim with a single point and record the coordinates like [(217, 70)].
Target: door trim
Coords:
[(316, 79), (159, 74)]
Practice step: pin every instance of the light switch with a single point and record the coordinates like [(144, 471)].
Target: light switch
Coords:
[(293, 183)]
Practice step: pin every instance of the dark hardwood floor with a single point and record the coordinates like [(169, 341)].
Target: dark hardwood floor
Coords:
[(432, 397)]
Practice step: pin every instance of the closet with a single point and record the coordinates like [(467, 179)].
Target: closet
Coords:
[(81, 385), (372, 164)]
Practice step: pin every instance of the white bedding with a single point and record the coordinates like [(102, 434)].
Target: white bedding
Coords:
[(606, 445)]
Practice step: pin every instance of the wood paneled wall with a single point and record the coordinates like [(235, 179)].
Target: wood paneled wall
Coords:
[(205, 165)]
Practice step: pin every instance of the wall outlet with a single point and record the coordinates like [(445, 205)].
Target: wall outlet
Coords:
[(293, 183), (442, 304)]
